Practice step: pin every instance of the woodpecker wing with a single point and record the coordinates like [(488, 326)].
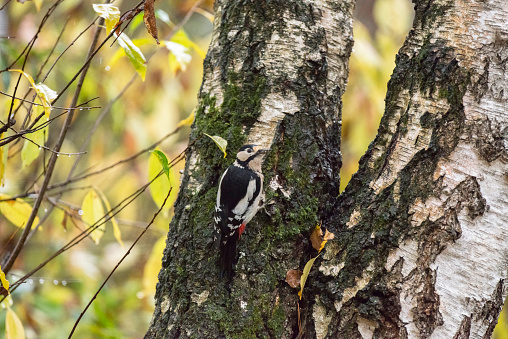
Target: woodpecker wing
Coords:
[(238, 188)]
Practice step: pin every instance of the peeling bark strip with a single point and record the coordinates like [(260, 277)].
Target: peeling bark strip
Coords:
[(426, 215), (274, 75)]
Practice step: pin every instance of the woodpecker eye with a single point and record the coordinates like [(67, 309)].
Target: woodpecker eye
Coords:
[(249, 150)]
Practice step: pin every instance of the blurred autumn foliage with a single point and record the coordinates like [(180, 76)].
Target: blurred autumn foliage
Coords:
[(129, 107), (121, 119)]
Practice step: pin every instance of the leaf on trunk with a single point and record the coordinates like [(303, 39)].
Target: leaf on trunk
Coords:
[(134, 54), (149, 19), (319, 240), (293, 278), (221, 143), (16, 211), (13, 326), (306, 271)]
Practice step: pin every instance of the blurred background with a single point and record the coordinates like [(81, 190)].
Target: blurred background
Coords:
[(133, 115)]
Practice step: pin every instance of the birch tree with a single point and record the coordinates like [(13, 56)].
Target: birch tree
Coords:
[(420, 231)]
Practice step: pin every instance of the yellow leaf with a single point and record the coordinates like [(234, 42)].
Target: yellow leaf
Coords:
[(38, 4), (16, 211), (92, 212), (13, 326), (181, 38), (187, 121), (110, 13), (30, 151), (3, 280), (44, 93), (221, 143), (160, 187), (134, 54), (152, 267), (4, 150), (114, 223), (306, 271), (319, 240)]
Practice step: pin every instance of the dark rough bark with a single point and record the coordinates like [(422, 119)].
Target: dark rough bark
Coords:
[(274, 75), (421, 229)]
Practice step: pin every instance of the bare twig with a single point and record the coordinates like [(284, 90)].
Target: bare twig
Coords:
[(54, 156), (119, 262), (54, 107)]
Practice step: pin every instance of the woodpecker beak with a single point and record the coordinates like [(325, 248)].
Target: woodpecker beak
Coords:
[(261, 150)]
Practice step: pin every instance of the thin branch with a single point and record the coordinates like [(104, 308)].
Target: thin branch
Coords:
[(84, 234), (5, 4), (54, 107), (34, 38), (119, 262), (18, 135), (123, 161), (53, 158)]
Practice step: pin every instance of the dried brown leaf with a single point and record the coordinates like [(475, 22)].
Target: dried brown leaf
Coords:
[(328, 235), (149, 19), (293, 278), (316, 237), (130, 14)]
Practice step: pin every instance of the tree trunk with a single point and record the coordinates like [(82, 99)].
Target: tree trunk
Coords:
[(420, 246)]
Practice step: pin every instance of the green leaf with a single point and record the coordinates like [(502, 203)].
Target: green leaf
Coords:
[(160, 187), (110, 13), (163, 160), (221, 143), (13, 326), (16, 211), (134, 54), (92, 212), (306, 271), (30, 151)]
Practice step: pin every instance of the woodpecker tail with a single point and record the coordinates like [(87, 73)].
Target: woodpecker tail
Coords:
[(228, 257)]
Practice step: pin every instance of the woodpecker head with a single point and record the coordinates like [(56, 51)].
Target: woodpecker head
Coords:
[(250, 156)]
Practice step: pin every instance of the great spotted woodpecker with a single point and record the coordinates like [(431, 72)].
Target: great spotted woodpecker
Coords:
[(240, 190)]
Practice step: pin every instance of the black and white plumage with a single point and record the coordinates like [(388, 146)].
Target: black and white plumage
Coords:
[(240, 190)]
